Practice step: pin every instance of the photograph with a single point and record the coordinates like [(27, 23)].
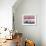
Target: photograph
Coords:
[(29, 20)]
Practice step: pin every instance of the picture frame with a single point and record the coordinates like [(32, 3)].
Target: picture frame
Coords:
[(29, 20)]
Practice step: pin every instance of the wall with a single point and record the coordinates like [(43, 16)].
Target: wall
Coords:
[(6, 13), (43, 22), (28, 7)]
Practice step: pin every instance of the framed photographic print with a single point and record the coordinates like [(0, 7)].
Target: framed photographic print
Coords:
[(29, 20)]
